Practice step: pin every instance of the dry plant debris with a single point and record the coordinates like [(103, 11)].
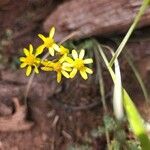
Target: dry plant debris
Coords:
[(16, 121)]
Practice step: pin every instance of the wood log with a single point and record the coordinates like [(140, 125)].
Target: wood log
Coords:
[(13, 86), (2, 2), (13, 13), (9, 10), (94, 17)]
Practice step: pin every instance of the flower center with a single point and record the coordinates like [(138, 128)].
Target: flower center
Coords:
[(57, 67), (49, 42), (79, 64), (30, 59)]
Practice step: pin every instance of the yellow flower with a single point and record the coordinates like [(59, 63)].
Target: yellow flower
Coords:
[(58, 67), (62, 50), (48, 65), (49, 43), (78, 64), (30, 60)]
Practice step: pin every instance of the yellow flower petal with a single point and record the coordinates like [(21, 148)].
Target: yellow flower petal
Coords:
[(65, 64), (63, 50), (52, 32), (65, 74), (88, 61), (63, 58), (28, 71), (22, 59), (47, 63), (23, 65), (69, 60), (82, 53), (73, 73), (74, 54), (26, 52), (58, 77), (39, 50), (38, 61), (36, 70), (51, 51), (66, 68), (88, 70), (44, 62), (46, 69), (42, 37), (30, 49), (56, 47), (83, 74)]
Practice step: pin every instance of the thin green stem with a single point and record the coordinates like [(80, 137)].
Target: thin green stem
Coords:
[(100, 80), (133, 115), (117, 94), (129, 60), (131, 29), (102, 93)]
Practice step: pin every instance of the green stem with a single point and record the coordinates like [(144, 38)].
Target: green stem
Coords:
[(102, 93), (129, 60), (131, 29)]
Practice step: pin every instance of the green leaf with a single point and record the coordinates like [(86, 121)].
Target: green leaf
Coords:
[(136, 121), (137, 75), (131, 29), (133, 116)]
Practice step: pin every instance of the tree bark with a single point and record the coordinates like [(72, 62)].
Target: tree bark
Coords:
[(9, 10), (95, 17)]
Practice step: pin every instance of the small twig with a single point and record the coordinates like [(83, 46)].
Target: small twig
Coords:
[(69, 36), (66, 135), (55, 121)]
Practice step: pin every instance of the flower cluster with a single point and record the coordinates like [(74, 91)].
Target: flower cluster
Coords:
[(62, 61)]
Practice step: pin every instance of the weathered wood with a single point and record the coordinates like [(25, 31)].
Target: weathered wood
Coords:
[(13, 86), (95, 17), (13, 13), (16, 121), (2, 2), (9, 10)]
